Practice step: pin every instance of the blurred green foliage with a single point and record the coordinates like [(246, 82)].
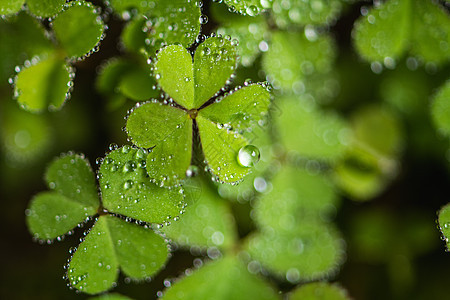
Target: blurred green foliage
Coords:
[(354, 155)]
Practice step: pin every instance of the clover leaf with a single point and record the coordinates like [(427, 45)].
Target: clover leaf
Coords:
[(389, 30), (319, 290), (169, 128), (46, 81), (112, 242), (216, 277)]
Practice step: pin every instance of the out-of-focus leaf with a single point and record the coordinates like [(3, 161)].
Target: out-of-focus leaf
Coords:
[(207, 221), (78, 29), (44, 85), (440, 109), (45, 8), (319, 291), (226, 279)]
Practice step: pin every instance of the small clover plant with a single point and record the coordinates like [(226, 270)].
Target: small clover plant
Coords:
[(113, 242), (195, 104), (45, 81)]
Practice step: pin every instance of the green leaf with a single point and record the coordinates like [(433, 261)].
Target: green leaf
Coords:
[(112, 296), (20, 34), (127, 190), (45, 8), (111, 73), (94, 267), (311, 133), (124, 7), (292, 57), (140, 252), (300, 12), (214, 63), (173, 22), (378, 131), (74, 198), (138, 84), (431, 37), (44, 85), (383, 33), (444, 223), (177, 81), (221, 148), (10, 7), (169, 131), (245, 7), (252, 30), (226, 278), (51, 215), (242, 108), (359, 175), (114, 243), (71, 176), (207, 222), (78, 29), (313, 251), (25, 137), (296, 196), (319, 291), (133, 37), (440, 109)]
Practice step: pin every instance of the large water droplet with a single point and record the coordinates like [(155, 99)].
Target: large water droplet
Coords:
[(248, 156)]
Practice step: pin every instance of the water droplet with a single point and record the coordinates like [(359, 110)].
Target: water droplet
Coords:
[(192, 171), (248, 156), (128, 184)]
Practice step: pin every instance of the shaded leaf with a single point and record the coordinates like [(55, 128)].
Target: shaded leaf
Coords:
[(207, 221), (444, 223), (94, 267), (51, 214), (214, 63), (241, 108), (440, 109), (226, 279), (319, 291), (78, 29), (127, 190), (44, 85), (138, 84), (177, 81), (133, 37), (45, 8), (221, 148)]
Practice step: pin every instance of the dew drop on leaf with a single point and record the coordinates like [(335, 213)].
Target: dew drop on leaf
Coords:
[(248, 156), (192, 171)]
